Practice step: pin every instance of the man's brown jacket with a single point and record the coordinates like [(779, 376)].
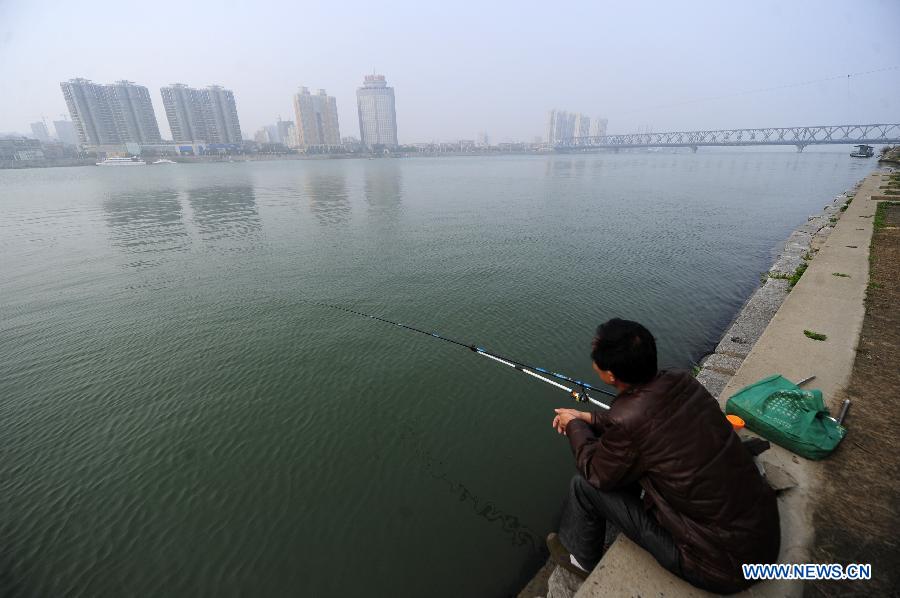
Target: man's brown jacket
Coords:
[(700, 482)]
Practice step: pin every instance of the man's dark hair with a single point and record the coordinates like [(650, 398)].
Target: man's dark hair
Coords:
[(626, 349)]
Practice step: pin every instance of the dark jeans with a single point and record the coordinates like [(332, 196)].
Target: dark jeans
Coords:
[(587, 510)]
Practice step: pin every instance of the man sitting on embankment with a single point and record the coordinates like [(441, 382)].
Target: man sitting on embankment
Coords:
[(665, 467)]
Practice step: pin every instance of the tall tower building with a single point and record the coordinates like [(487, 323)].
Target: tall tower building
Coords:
[(316, 118), (208, 114), (90, 111), (568, 130), (132, 112), (582, 126), (186, 120), (40, 132), (599, 127), (564, 125), (377, 112), (65, 131), (560, 126), (287, 132), (111, 114), (224, 114), (551, 127)]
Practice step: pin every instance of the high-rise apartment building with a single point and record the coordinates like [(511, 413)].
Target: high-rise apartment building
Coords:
[(91, 114), (287, 131), (132, 113), (263, 135), (111, 114), (208, 114), (598, 128), (563, 125), (183, 106), (225, 116), (316, 119), (40, 132), (290, 135), (377, 112), (65, 131), (582, 126)]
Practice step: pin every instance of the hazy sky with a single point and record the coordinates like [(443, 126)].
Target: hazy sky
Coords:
[(461, 67)]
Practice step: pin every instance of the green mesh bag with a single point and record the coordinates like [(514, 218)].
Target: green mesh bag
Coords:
[(778, 410)]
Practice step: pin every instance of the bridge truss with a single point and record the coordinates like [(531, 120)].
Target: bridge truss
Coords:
[(798, 136)]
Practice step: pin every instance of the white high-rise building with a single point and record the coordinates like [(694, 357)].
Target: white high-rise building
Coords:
[(551, 126), (316, 119), (208, 115), (561, 126), (598, 128), (377, 112), (290, 134), (582, 126), (111, 114)]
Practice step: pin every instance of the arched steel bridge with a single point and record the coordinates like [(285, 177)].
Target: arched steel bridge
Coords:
[(798, 136)]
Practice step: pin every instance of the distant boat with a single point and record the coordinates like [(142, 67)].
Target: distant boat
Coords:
[(165, 161), (863, 151), (122, 161)]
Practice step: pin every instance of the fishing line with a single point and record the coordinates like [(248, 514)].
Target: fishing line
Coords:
[(577, 391)]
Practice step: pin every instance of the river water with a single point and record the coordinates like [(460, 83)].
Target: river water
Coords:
[(176, 420)]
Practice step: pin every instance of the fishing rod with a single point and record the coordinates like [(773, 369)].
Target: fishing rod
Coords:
[(578, 390)]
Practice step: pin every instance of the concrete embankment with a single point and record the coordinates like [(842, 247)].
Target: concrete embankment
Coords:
[(766, 338)]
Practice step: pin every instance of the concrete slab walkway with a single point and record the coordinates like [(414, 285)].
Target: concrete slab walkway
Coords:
[(820, 302)]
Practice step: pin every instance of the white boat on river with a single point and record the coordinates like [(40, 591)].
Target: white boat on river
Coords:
[(122, 161)]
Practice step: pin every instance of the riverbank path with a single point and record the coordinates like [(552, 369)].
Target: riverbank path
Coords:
[(820, 302)]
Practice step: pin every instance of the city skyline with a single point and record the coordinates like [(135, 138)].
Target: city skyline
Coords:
[(198, 114), (505, 80), (123, 112)]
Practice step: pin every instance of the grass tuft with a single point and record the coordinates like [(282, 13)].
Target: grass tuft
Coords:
[(795, 277), (791, 278), (816, 336), (878, 222)]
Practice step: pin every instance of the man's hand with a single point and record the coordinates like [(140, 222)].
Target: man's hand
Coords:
[(564, 416)]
